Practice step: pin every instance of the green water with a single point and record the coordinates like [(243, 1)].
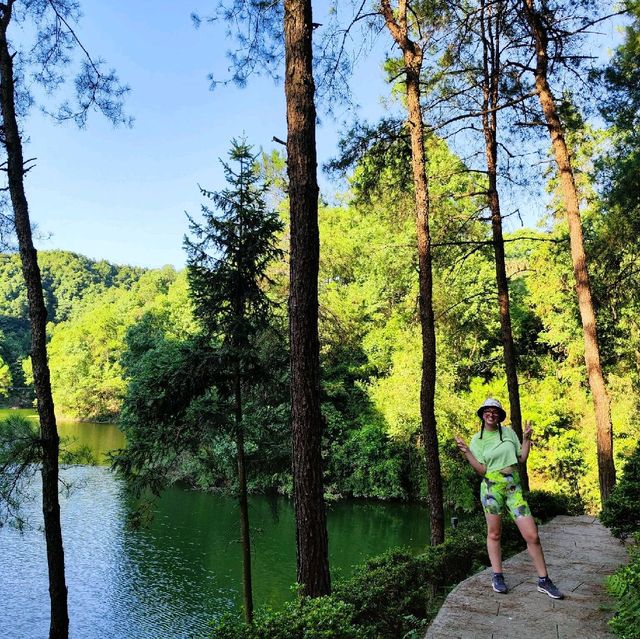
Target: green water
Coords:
[(99, 439), (171, 579)]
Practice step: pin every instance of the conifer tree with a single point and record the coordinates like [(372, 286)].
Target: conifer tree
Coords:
[(227, 261)]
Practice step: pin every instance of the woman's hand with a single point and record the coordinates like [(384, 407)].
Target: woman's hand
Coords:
[(462, 445), (481, 469), (528, 431)]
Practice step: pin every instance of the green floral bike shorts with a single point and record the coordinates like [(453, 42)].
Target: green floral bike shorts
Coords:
[(498, 490)]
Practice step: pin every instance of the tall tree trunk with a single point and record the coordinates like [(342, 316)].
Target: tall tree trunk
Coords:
[(569, 193), (490, 27), (413, 64), (247, 590), (311, 529), (59, 626)]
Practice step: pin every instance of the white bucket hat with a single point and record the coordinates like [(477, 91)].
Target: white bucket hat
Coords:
[(492, 403)]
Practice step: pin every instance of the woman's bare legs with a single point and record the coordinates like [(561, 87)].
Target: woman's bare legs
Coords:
[(529, 532), (494, 532)]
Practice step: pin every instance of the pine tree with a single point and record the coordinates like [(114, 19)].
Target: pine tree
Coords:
[(227, 262)]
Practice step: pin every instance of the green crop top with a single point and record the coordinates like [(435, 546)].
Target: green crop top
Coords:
[(492, 452)]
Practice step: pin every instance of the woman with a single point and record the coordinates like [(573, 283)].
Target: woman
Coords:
[(494, 454)]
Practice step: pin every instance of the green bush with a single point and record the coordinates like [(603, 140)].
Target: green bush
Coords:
[(305, 618), (546, 505), (621, 512), (624, 586), (388, 596), (387, 592)]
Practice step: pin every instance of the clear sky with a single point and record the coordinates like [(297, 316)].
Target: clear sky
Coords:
[(121, 194)]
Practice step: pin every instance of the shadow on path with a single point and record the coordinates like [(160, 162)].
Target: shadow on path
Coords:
[(579, 551)]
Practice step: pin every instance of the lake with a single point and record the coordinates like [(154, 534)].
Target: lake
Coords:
[(172, 578)]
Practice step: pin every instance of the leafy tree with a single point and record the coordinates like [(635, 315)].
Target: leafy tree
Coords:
[(494, 24), (54, 38), (621, 108), (228, 261), (369, 318)]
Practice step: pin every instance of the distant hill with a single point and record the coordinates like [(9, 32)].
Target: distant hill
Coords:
[(69, 282)]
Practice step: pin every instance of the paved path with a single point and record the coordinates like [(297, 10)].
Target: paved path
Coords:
[(579, 553)]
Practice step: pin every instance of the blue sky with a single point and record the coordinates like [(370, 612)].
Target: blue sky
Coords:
[(120, 194)]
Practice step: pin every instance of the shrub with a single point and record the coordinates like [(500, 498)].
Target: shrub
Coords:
[(624, 586), (304, 618), (387, 591), (546, 505), (621, 512)]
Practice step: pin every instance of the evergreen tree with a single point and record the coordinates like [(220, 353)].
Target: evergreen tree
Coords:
[(228, 261)]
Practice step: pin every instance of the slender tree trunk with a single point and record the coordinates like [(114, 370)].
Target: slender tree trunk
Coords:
[(59, 626), (245, 535), (490, 26), (413, 64), (569, 193), (311, 528), (427, 320)]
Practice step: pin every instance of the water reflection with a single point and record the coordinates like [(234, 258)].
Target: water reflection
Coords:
[(97, 438)]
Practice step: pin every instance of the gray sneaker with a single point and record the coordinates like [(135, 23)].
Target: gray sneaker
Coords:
[(497, 582), (548, 587)]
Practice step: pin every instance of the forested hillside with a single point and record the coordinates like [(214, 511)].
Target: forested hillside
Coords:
[(69, 282)]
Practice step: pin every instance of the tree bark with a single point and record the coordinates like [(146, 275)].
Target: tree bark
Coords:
[(311, 529), (490, 28), (569, 193), (59, 625), (413, 57)]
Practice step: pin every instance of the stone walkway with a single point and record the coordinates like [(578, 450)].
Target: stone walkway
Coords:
[(579, 553)]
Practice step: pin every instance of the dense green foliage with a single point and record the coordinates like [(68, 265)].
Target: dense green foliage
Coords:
[(624, 586), (621, 513), (118, 333), (70, 284), (130, 334)]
